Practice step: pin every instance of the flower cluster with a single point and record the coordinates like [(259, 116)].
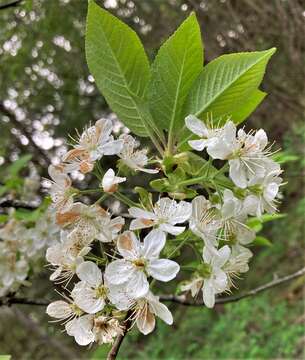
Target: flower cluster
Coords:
[(110, 265), (21, 246)]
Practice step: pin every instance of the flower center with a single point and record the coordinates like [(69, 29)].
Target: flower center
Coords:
[(139, 263), (101, 292), (204, 270)]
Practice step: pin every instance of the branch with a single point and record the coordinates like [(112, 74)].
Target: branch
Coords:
[(183, 300), (119, 339), (25, 132), (11, 4), (7, 203), (10, 300)]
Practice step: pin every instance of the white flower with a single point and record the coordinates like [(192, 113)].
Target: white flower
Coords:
[(60, 191), (90, 293), (139, 261), (216, 280), (233, 219), (89, 328), (91, 221), (65, 258), (166, 214), (135, 159), (265, 194), (110, 181), (199, 128), (238, 262), (145, 311), (94, 142), (205, 220)]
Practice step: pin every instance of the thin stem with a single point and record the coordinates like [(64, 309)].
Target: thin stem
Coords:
[(89, 191)]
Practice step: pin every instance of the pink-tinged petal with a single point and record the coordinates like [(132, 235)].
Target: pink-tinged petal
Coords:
[(163, 269), (119, 271), (89, 272), (128, 245), (137, 285), (154, 242), (146, 321), (137, 224)]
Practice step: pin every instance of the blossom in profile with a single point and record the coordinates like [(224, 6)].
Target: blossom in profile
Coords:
[(110, 181), (215, 278), (133, 158), (140, 260), (205, 220), (264, 195), (61, 191), (165, 215)]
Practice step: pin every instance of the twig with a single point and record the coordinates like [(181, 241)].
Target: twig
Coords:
[(10, 300), (7, 203), (228, 299), (112, 354), (10, 4)]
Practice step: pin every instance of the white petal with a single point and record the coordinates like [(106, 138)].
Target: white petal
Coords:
[(237, 173), (81, 329), (119, 271), (160, 309), (222, 256), (59, 309), (196, 126), (198, 145), (85, 298), (261, 138), (137, 285), (89, 272), (171, 229), (111, 148), (137, 224), (153, 244), (142, 214), (163, 269), (208, 294), (128, 245)]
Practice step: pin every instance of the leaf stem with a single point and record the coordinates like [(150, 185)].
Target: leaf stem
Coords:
[(124, 199)]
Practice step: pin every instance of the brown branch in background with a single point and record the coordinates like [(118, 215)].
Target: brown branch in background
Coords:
[(18, 125), (8, 203), (10, 4), (10, 300), (183, 300)]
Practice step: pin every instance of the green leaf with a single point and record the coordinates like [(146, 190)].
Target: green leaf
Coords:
[(283, 157), (226, 83), (261, 241), (270, 217), (247, 108), (255, 224), (117, 60), (176, 66)]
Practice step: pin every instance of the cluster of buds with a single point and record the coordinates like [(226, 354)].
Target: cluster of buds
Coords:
[(118, 261)]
